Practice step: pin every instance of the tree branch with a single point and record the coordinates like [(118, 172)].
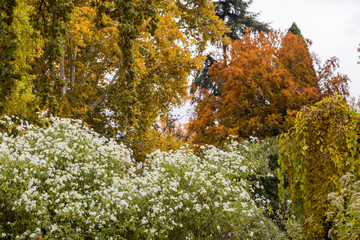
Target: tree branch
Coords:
[(103, 96)]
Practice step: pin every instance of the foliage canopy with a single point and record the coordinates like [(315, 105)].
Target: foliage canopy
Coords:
[(265, 80), (238, 18), (118, 65)]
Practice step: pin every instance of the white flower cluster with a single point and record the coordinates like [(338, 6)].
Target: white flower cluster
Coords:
[(65, 181), (62, 173), (180, 188)]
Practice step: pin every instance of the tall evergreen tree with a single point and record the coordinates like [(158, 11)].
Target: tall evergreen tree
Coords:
[(295, 29), (237, 17)]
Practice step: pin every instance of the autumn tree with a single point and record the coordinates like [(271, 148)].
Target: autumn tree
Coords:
[(168, 134), (119, 65), (265, 79), (238, 18), (49, 19), (18, 51), (320, 148)]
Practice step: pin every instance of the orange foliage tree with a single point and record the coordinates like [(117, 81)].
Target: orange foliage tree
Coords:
[(264, 80)]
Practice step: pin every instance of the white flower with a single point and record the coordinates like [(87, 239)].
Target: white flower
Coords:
[(144, 220), (197, 207), (53, 228), (92, 213)]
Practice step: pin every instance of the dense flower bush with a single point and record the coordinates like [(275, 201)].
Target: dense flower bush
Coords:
[(200, 198), (66, 182), (58, 181)]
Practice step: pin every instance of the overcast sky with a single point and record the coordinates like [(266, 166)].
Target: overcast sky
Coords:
[(332, 25)]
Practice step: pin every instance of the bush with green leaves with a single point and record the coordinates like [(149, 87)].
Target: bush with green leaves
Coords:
[(64, 181), (263, 154)]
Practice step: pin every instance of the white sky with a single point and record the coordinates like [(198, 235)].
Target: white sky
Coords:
[(332, 25)]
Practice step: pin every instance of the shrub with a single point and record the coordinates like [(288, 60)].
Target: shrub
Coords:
[(58, 181), (202, 198), (65, 181), (263, 154), (345, 209)]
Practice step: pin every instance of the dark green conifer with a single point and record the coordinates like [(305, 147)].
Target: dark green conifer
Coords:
[(237, 17), (294, 29)]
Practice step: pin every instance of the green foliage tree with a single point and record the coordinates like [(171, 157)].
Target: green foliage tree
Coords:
[(237, 17), (8, 48), (315, 154), (294, 29)]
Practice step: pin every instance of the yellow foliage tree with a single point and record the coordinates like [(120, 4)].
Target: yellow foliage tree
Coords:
[(19, 99), (315, 154), (125, 63)]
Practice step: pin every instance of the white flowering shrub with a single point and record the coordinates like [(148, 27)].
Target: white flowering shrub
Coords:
[(203, 198), (66, 182), (344, 213), (58, 182)]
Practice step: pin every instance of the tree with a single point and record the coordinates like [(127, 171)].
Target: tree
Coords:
[(315, 154), (294, 29), (237, 18), (18, 51), (265, 80), (49, 18), (8, 48), (119, 65)]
